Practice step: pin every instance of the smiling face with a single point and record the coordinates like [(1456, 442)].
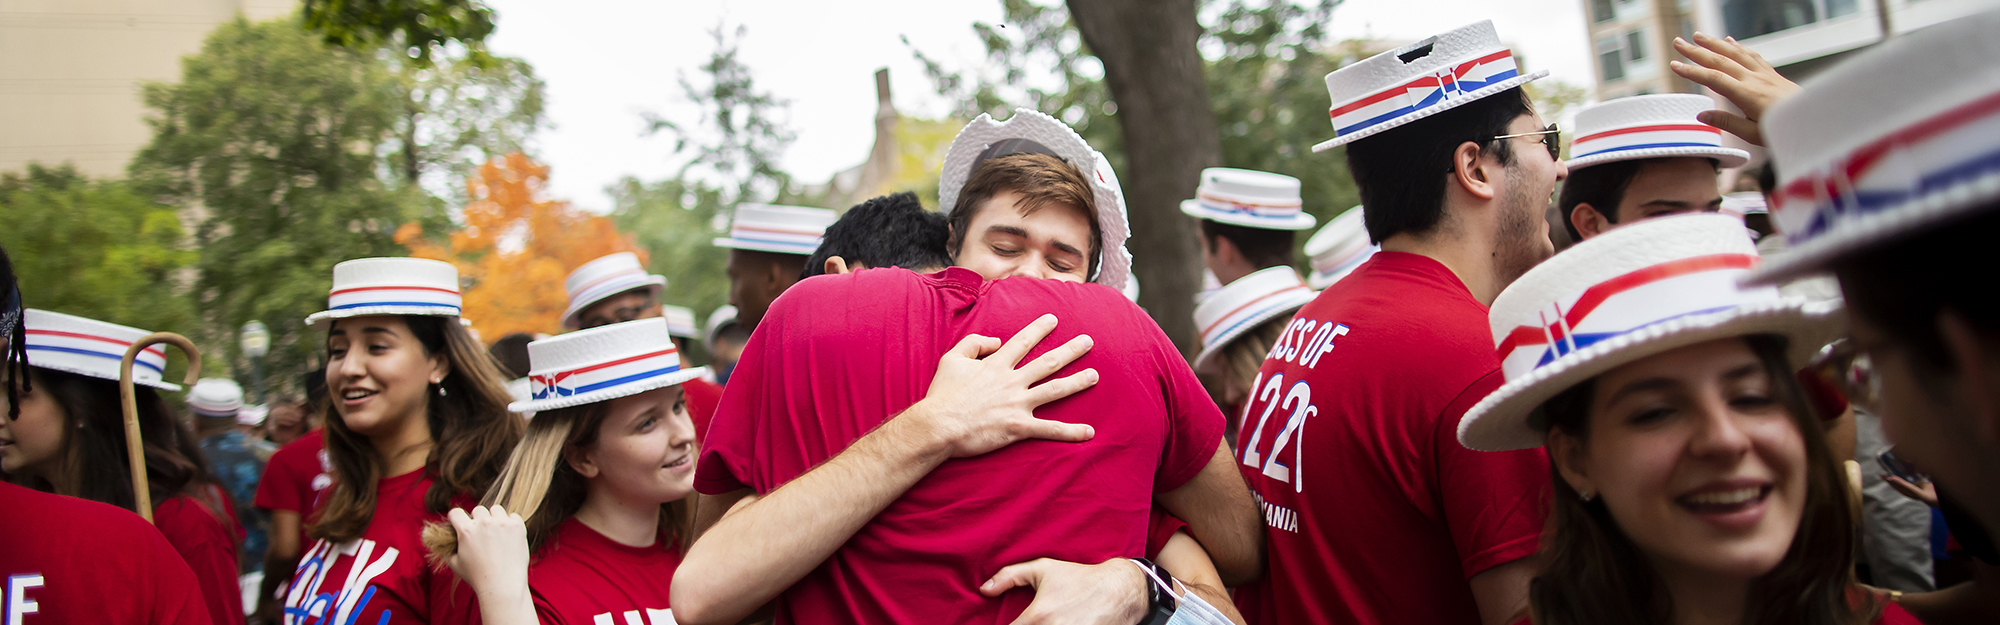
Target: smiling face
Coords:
[(31, 443), (1001, 242), (644, 451), (1523, 238), (1696, 458), (380, 377)]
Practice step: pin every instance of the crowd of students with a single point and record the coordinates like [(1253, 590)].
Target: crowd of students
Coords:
[(960, 416)]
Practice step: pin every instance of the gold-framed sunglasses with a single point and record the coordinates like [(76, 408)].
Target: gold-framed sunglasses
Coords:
[(1551, 139)]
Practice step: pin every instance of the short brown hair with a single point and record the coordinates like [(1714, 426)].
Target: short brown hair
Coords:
[(1041, 180)]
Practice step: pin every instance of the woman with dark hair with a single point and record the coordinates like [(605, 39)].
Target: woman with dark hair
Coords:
[(1691, 481), (65, 434), (598, 492), (418, 424)]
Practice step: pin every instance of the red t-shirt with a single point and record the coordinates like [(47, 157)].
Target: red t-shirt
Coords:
[(295, 478), (581, 577), (837, 355), (209, 549), (67, 560), (702, 397), (381, 578), (1359, 401)]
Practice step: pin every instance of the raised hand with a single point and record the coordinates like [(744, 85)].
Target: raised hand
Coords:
[(1739, 74), (492, 550)]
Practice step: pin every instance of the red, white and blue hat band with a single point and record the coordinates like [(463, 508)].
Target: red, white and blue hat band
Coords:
[(90, 347), (1630, 302), (1932, 156), (95, 346), (1424, 92), (446, 301), (776, 238), (604, 376), (1646, 138), (1284, 211)]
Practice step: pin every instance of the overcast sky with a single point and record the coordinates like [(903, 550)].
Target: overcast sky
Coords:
[(607, 62)]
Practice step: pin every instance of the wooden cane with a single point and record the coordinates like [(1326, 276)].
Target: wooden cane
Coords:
[(135, 449)]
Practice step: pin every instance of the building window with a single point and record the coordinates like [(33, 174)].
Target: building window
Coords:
[(1610, 59), (1635, 45), (1601, 11), (1754, 18)]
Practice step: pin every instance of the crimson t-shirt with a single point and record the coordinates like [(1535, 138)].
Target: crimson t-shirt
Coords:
[(381, 578), (837, 355), (208, 546), (295, 479), (702, 398), (582, 577), (68, 560), (1373, 511)]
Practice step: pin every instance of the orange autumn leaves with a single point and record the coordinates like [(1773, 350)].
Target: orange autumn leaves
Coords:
[(513, 248)]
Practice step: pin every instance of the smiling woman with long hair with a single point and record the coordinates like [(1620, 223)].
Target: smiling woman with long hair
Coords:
[(418, 423), (1691, 481)]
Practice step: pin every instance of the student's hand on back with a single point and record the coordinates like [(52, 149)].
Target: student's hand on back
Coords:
[(492, 550), (1738, 73), (979, 401), (1109, 593)]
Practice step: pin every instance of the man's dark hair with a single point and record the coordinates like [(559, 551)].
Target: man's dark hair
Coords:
[(1263, 247), (1602, 186), (1900, 287), (1401, 171), (888, 231), (511, 352), (1040, 179), (14, 361)]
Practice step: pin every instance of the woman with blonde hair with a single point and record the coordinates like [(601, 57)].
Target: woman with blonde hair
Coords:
[(1242, 323), (418, 423), (596, 495), (1691, 481)]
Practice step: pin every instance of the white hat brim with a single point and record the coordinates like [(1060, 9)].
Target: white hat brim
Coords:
[(158, 384), (1292, 305), (1115, 263), (1499, 422), (655, 282), (622, 390), (1300, 221), (322, 319), (1427, 112), (762, 246), (1910, 218), (1724, 157)]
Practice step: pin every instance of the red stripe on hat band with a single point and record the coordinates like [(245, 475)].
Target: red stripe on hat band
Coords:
[(1661, 128), (1596, 295), (665, 352), (1431, 79), (392, 288), (1864, 158), (593, 284), (813, 233), (1238, 309), (150, 350), (1243, 204)]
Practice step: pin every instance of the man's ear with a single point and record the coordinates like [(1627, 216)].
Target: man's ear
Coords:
[(1567, 453), (1225, 251), (1474, 172), (1588, 221), (835, 265), (1973, 354)]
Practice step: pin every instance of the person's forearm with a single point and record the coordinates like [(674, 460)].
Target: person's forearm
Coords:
[(506, 606), (1220, 514), (1188, 562), (280, 560), (763, 546)]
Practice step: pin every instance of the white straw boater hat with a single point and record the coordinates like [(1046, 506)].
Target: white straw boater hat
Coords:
[(1899, 140), (1420, 80), (1038, 133), (604, 277), (1338, 248), (680, 322), (1633, 292), (605, 362), (1252, 199), (1649, 126), (777, 229), (90, 347), (215, 397), (1242, 305), (390, 286), (723, 317)]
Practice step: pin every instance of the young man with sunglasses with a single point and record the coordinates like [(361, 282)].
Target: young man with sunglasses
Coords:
[(1373, 512), (1641, 157)]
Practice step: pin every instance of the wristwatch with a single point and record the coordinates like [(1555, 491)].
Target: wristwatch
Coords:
[(1160, 604)]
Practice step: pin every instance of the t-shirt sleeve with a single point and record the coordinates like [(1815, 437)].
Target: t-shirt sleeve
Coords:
[(1194, 423), (176, 598), (725, 464), (546, 612), (278, 490), (1160, 528), (1494, 502), (206, 545)]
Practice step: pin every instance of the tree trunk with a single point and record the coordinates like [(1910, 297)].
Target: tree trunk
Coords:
[(1155, 76)]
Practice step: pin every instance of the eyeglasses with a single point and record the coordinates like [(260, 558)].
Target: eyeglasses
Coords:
[(1551, 138)]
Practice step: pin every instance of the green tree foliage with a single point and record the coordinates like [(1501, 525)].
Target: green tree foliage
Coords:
[(741, 132), (458, 114), (422, 26), (97, 249), (676, 222)]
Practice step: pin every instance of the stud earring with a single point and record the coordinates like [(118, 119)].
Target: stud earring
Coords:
[(1586, 496), (441, 392)]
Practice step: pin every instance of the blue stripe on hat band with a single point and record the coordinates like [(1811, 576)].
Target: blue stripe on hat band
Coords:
[(1433, 99), (1582, 340), (86, 352), (366, 304), (1648, 146), (1867, 202), (545, 392), (1262, 314), (808, 247)]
